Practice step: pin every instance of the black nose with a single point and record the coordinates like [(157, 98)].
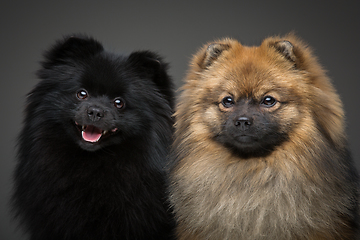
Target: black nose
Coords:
[(95, 113), (243, 123)]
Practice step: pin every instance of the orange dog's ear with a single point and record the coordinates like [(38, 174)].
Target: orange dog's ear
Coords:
[(286, 49), (212, 52)]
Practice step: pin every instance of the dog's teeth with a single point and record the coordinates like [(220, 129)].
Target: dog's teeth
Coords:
[(83, 127), (104, 132)]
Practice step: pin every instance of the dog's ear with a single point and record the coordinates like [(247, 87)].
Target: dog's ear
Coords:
[(212, 53), (150, 65), (73, 48), (286, 49)]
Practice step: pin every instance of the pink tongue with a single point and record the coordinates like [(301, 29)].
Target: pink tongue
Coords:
[(91, 134)]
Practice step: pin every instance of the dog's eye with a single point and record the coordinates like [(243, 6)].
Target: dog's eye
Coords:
[(119, 103), (228, 101), (82, 94), (268, 101)]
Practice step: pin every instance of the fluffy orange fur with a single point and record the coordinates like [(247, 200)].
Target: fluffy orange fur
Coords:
[(306, 188)]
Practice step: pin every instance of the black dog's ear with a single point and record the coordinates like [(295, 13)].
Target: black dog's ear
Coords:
[(76, 47), (150, 65), (212, 53), (286, 49)]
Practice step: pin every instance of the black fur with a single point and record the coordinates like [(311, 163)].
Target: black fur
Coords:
[(69, 188)]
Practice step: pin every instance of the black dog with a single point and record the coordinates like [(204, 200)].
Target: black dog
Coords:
[(93, 147)]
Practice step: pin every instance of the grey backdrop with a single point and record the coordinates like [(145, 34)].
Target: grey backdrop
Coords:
[(175, 30)]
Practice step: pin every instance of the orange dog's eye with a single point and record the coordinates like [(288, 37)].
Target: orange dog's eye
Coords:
[(228, 101), (268, 101)]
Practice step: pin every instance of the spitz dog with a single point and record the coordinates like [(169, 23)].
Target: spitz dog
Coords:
[(260, 150), (93, 147)]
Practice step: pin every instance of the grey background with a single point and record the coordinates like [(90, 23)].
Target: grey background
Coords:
[(175, 29)]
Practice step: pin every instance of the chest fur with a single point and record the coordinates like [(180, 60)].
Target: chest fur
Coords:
[(244, 201)]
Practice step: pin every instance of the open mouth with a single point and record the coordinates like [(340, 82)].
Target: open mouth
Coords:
[(93, 134)]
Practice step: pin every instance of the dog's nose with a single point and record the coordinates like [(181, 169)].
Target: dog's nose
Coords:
[(243, 123), (95, 113)]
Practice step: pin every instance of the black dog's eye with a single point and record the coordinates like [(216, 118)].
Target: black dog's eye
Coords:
[(228, 101), (119, 103), (82, 94), (268, 101)]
